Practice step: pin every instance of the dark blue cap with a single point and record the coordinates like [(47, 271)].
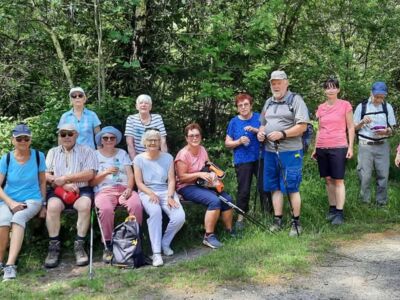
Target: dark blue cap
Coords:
[(379, 88), (21, 129)]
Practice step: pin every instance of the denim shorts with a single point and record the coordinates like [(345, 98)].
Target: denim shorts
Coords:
[(283, 172), (86, 191)]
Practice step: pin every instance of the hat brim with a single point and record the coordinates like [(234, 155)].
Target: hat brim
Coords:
[(112, 131), (22, 134)]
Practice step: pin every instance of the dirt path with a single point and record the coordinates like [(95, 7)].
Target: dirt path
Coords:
[(365, 269)]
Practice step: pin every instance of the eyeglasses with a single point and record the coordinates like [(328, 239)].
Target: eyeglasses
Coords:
[(152, 128), (192, 136), (243, 105), (109, 138), (24, 138), (63, 134), (74, 96), (153, 140)]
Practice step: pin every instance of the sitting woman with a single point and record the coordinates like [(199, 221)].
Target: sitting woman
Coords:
[(113, 184), (189, 162), (23, 171), (155, 178)]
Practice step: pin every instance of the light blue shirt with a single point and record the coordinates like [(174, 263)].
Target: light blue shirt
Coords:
[(22, 179), (155, 172), (85, 126), (377, 119)]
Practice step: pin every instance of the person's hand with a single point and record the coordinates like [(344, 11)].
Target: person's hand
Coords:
[(154, 198), (349, 153), (397, 160), (250, 128), (50, 178), (275, 136), (207, 176), (314, 155), (59, 181), (365, 121), (111, 170), (244, 140), (127, 193), (172, 203), (17, 206), (43, 212), (71, 187), (382, 132), (261, 136)]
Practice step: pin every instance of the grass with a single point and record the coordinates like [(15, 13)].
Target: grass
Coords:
[(256, 258)]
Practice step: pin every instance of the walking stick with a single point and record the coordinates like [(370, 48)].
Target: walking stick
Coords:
[(276, 145)]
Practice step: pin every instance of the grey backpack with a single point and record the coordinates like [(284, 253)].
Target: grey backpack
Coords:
[(127, 245)]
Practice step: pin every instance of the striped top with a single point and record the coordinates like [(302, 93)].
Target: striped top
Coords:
[(85, 126), (80, 158), (135, 128)]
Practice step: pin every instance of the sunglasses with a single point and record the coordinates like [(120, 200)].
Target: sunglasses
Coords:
[(24, 138), (77, 96), (108, 138), (192, 136), (63, 134)]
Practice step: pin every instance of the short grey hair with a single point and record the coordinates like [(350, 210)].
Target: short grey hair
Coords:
[(150, 133), (145, 98)]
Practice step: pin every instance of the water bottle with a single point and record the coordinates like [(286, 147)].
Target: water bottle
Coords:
[(247, 134), (117, 164)]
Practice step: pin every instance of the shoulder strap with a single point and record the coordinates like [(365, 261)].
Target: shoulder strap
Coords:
[(289, 101), (385, 110), (37, 158), (8, 157), (363, 108)]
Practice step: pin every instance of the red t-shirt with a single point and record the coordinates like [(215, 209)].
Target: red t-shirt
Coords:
[(332, 124)]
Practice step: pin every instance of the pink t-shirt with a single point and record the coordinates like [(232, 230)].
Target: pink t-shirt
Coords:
[(332, 124), (194, 162)]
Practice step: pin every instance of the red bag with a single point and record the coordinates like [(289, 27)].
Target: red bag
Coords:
[(66, 197)]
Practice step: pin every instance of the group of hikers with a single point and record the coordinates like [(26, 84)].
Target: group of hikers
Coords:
[(74, 173)]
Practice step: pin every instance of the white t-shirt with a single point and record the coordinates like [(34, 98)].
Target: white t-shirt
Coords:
[(120, 159)]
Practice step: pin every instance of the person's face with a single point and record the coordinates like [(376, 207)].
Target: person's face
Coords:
[(193, 137), (78, 99), (332, 91), (143, 106), (279, 88), (244, 108), (108, 140), (22, 142), (378, 98), (153, 143), (67, 138)]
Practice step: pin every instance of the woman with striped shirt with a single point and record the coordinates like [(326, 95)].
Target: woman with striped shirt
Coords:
[(136, 125)]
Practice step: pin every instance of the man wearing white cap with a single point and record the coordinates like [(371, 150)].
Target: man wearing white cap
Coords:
[(283, 120), (69, 168), (86, 121)]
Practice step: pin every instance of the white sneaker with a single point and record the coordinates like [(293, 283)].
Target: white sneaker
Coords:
[(167, 251), (157, 260)]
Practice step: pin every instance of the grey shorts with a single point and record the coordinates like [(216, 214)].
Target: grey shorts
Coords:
[(21, 217)]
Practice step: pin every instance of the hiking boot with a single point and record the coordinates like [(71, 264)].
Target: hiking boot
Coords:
[(167, 251), (239, 226), (81, 257), (293, 231), (338, 219), (212, 241), (276, 225), (157, 260), (10, 272), (107, 256), (53, 256)]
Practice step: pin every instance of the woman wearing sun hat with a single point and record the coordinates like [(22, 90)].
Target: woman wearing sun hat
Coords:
[(86, 121), (113, 184), (23, 172)]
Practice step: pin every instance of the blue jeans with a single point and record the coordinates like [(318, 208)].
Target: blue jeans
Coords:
[(205, 197)]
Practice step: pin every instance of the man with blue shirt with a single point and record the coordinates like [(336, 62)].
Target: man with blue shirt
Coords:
[(85, 121), (374, 120), (241, 136)]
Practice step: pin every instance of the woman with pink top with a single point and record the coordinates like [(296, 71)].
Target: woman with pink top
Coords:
[(334, 144)]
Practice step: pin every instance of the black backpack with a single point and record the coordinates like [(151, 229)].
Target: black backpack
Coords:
[(308, 134), (8, 157), (127, 245), (365, 113)]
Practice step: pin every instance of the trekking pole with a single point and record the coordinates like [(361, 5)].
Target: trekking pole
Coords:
[(243, 213), (91, 245), (276, 145)]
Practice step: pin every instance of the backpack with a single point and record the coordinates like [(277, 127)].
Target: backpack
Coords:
[(8, 157), (364, 113), (127, 245), (308, 134)]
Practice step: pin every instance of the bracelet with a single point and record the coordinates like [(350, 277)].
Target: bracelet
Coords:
[(284, 134)]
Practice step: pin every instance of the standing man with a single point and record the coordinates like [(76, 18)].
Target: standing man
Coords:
[(70, 167), (283, 120), (374, 119)]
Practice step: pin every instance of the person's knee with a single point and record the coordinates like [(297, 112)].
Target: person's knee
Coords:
[(214, 204), (83, 205), (155, 212), (179, 218), (54, 206)]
